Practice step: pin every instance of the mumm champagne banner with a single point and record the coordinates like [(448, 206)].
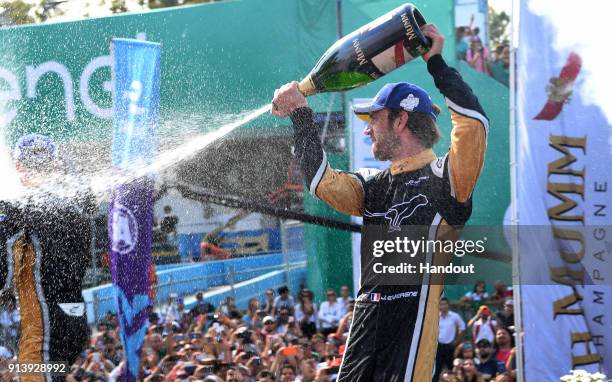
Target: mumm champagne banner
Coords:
[(563, 189)]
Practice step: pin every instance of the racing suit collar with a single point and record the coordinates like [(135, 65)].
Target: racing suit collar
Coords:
[(413, 162)]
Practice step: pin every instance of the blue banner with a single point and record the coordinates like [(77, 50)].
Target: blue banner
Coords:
[(136, 74)]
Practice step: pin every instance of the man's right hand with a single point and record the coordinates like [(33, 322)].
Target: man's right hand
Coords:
[(437, 40), (287, 99)]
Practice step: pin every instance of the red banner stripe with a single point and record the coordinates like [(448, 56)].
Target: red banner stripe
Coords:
[(572, 67), (550, 111), (399, 54)]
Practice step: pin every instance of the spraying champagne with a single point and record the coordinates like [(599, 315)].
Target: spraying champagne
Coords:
[(369, 53)]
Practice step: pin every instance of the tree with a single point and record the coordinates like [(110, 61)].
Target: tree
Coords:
[(16, 12), (153, 4), (499, 24), (118, 6)]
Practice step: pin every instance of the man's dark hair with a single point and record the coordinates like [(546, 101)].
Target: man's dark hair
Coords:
[(287, 365), (443, 299), (283, 289), (421, 125), (265, 374), (510, 334), (479, 282)]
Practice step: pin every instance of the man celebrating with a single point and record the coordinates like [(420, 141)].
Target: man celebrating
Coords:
[(395, 327), (44, 251)]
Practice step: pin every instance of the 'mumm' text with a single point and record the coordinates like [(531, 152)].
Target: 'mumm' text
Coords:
[(565, 211)]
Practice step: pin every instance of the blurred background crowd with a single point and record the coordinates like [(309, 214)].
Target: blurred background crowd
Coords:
[(494, 62), (284, 337)]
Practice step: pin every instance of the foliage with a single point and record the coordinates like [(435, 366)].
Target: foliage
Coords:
[(499, 25), (118, 6), (16, 11), (153, 4)]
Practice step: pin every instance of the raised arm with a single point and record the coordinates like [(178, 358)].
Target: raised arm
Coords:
[(341, 190), (470, 123)]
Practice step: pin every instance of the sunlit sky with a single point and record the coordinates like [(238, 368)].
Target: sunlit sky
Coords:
[(78, 9), (501, 5)]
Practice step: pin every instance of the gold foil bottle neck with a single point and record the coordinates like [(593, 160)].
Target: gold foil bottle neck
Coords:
[(306, 86)]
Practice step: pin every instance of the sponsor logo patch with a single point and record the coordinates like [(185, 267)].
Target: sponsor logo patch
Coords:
[(416, 182), (409, 103), (399, 212), (376, 297), (125, 230)]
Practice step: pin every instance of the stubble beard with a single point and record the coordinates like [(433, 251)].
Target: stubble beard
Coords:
[(379, 153), (384, 147)]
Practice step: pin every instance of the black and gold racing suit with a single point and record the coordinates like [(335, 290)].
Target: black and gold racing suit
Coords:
[(45, 250), (395, 327)]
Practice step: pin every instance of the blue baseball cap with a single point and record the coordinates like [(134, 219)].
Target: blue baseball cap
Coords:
[(397, 96), (35, 148)]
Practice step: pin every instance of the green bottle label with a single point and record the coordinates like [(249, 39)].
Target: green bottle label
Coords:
[(346, 80)]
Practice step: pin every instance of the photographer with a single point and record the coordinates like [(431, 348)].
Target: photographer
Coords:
[(97, 367), (483, 325), (245, 340), (478, 56), (288, 326), (466, 372)]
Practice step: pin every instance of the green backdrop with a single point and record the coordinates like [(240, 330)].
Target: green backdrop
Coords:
[(221, 59)]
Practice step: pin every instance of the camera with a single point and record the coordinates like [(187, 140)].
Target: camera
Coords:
[(245, 335), (189, 368)]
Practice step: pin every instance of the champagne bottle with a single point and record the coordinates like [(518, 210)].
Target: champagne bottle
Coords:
[(369, 53)]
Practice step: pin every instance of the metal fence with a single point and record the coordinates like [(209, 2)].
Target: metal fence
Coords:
[(239, 278)]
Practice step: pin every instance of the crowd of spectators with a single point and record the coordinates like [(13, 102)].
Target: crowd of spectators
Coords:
[(282, 338), (9, 325), (277, 339), (483, 348), (470, 48)]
